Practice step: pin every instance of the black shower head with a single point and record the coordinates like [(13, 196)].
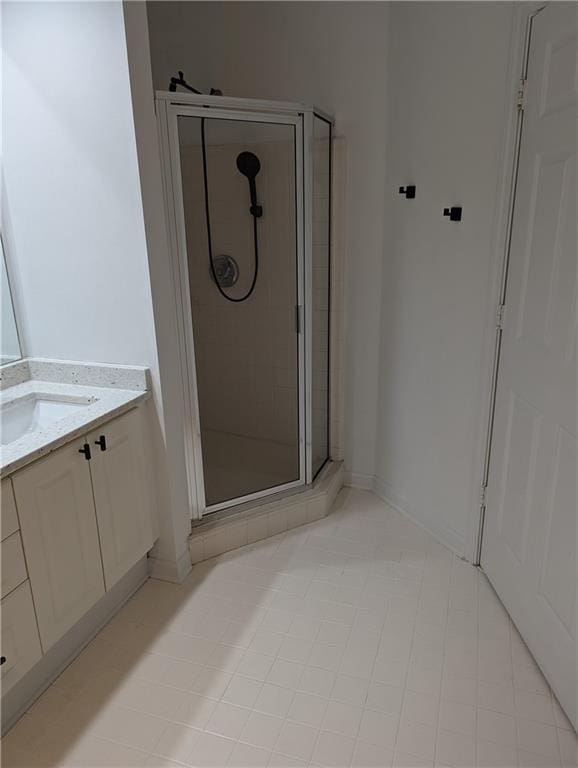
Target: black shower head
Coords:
[(248, 164)]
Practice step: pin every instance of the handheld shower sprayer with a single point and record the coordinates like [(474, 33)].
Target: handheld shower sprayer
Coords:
[(248, 164)]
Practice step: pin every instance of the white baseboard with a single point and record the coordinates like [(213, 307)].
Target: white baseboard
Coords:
[(443, 535), (19, 698), (171, 570), (359, 480), (384, 491)]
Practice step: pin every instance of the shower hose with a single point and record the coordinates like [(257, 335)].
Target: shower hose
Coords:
[(209, 239)]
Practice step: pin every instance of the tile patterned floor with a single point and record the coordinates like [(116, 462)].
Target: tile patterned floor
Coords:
[(355, 641)]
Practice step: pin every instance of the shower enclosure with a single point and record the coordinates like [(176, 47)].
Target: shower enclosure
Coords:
[(247, 192)]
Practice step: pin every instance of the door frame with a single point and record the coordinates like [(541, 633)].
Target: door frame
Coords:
[(170, 106), (521, 36)]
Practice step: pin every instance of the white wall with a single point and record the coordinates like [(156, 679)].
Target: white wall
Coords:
[(9, 341), (172, 556), (72, 183), (447, 112), (72, 204), (416, 371), (419, 90), (334, 56)]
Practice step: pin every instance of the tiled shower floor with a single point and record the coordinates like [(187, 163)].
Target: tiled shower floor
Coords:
[(354, 641)]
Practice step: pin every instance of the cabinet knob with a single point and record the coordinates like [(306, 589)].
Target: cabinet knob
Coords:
[(102, 442), (86, 450), (3, 660)]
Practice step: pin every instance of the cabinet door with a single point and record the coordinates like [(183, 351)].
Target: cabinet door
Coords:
[(8, 505), (122, 502), (60, 539), (13, 567), (20, 644)]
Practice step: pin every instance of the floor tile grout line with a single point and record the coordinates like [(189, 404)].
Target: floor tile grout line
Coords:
[(444, 645), (339, 570), (477, 698), (406, 676)]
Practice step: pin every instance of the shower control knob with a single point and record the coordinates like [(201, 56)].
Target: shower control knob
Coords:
[(226, 271)]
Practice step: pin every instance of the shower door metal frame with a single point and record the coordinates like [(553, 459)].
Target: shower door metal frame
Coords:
[(169, 107), (309, 143)]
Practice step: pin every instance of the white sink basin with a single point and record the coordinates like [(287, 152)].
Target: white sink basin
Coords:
[(29, 414)]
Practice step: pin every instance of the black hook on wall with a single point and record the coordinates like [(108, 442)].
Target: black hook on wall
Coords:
[(454, 213), (408, 191)]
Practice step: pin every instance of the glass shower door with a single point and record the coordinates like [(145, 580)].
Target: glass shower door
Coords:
[(241, 224)]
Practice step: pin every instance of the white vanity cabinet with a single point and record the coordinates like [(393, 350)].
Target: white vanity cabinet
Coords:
[(60, 536), (20, 645), (85, 521), (122, 503)]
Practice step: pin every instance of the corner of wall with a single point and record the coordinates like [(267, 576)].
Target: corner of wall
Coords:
[(174, 507)]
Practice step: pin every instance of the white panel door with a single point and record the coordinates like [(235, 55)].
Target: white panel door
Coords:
[(120, 493), (529, 541), (60, 539)]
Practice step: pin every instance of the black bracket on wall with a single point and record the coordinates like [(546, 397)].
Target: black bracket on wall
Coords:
[(180, 80), (408, 191), (454, 213)]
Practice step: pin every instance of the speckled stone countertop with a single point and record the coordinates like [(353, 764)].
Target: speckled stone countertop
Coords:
[(107, 390)]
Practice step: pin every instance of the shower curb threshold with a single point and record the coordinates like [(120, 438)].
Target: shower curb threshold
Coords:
[(261, 520)]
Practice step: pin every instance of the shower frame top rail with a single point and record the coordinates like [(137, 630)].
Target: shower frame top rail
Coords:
[(234, 102)]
